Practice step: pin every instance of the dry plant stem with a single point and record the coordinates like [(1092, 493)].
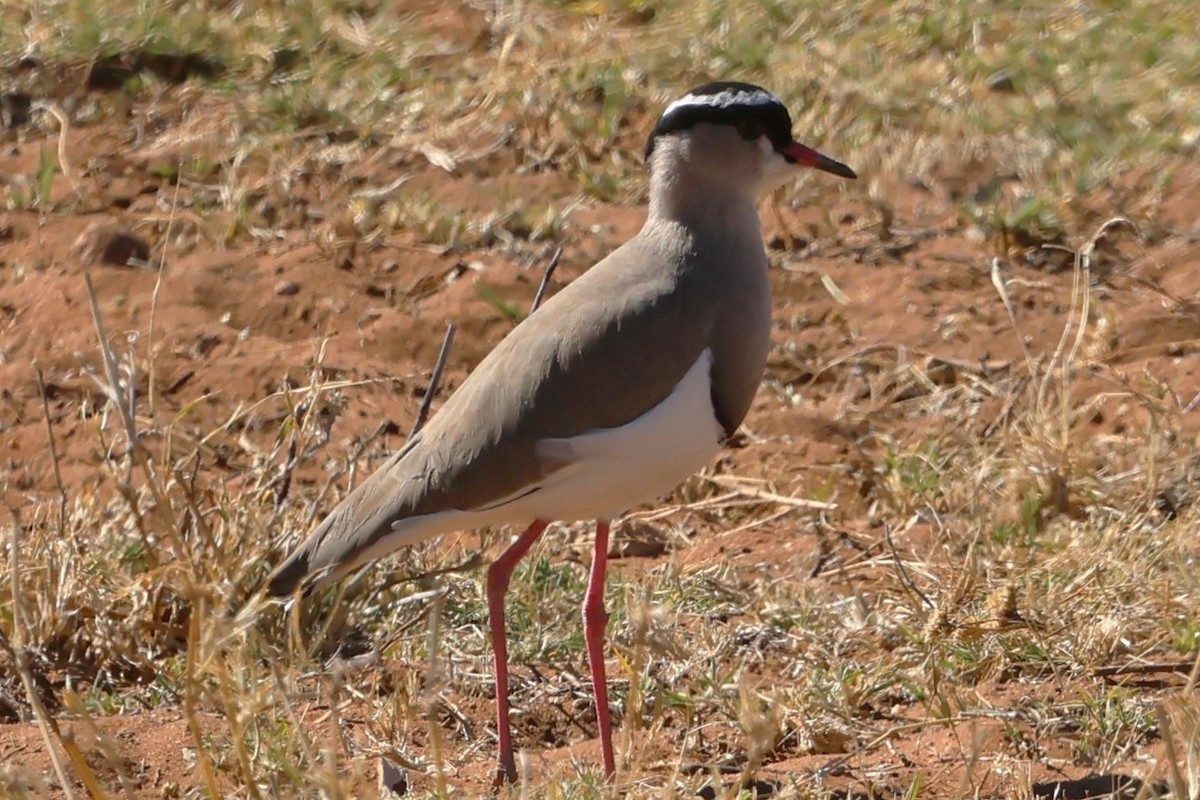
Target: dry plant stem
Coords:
[(162, 506), (46, 724), (333, 787), (95, 790), (1081, 299), (151, 393), (1178, 784), (1178, 667), (541, 291), (433, 686), (237, 732), (58, 481), (731, 482), (191, 690), (64, 127), (302, 734), (888, 735), (434, 380), (1148, 783), (75, 705), (1002, 290)]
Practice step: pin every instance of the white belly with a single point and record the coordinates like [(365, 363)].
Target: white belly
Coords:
[(610, 470), (607, 471)]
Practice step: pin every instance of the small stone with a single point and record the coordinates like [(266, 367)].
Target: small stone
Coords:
[(107, 242), (287, 288), (1001, 82), (15, 109)]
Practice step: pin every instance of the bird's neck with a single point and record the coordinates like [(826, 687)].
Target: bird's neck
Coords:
[(707, 208)]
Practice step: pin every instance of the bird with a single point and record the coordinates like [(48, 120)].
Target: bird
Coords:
[(625, 383)]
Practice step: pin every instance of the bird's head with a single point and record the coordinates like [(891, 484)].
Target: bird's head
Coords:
[(732, 133)]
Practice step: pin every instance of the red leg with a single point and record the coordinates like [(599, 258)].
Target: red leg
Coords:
[(499, 574), (594, 621)]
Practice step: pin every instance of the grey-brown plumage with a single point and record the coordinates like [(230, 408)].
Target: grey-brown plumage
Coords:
[(616, 389), (609, 346)]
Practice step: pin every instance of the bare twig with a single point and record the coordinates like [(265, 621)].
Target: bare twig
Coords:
[(1153, 668), (470, 564), (729, 482), (95, 790), (62, 489), (434, 380), (151, 382), (905, 579), (541, 292), (76, 708)]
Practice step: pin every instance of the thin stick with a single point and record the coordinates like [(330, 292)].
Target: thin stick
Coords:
[(62, 489), (998, 282), (434, 380), (1154, 668), (46, 724), (769, 497), (158, 279), (541, 292), (125, 408)]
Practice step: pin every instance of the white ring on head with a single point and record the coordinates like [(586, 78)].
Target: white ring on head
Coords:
[(725, 99)]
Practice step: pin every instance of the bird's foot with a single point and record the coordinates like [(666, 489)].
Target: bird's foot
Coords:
[(505, 774)]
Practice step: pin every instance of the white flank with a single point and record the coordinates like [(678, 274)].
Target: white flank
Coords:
[(607, 471), (610, 470)]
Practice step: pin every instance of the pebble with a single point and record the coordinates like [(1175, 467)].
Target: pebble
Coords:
[(107, 242)]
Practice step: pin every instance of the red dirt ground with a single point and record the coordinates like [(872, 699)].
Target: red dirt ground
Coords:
[(227, 329)]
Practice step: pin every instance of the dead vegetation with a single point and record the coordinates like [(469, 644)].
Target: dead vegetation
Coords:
[(952, 554)]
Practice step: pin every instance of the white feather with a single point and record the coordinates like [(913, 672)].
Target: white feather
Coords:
[(726, 98)]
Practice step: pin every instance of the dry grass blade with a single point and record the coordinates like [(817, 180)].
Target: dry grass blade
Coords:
[(58, 481), (64, 126), (47, 726), (125, 409), (746, 489), (998, 282)]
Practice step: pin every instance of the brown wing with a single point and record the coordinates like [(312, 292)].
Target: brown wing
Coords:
[(597, 355)]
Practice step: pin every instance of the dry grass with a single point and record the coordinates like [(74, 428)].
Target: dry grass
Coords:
[(973, 552)]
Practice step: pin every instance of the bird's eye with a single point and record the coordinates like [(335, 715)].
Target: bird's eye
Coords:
[(749, 130)]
